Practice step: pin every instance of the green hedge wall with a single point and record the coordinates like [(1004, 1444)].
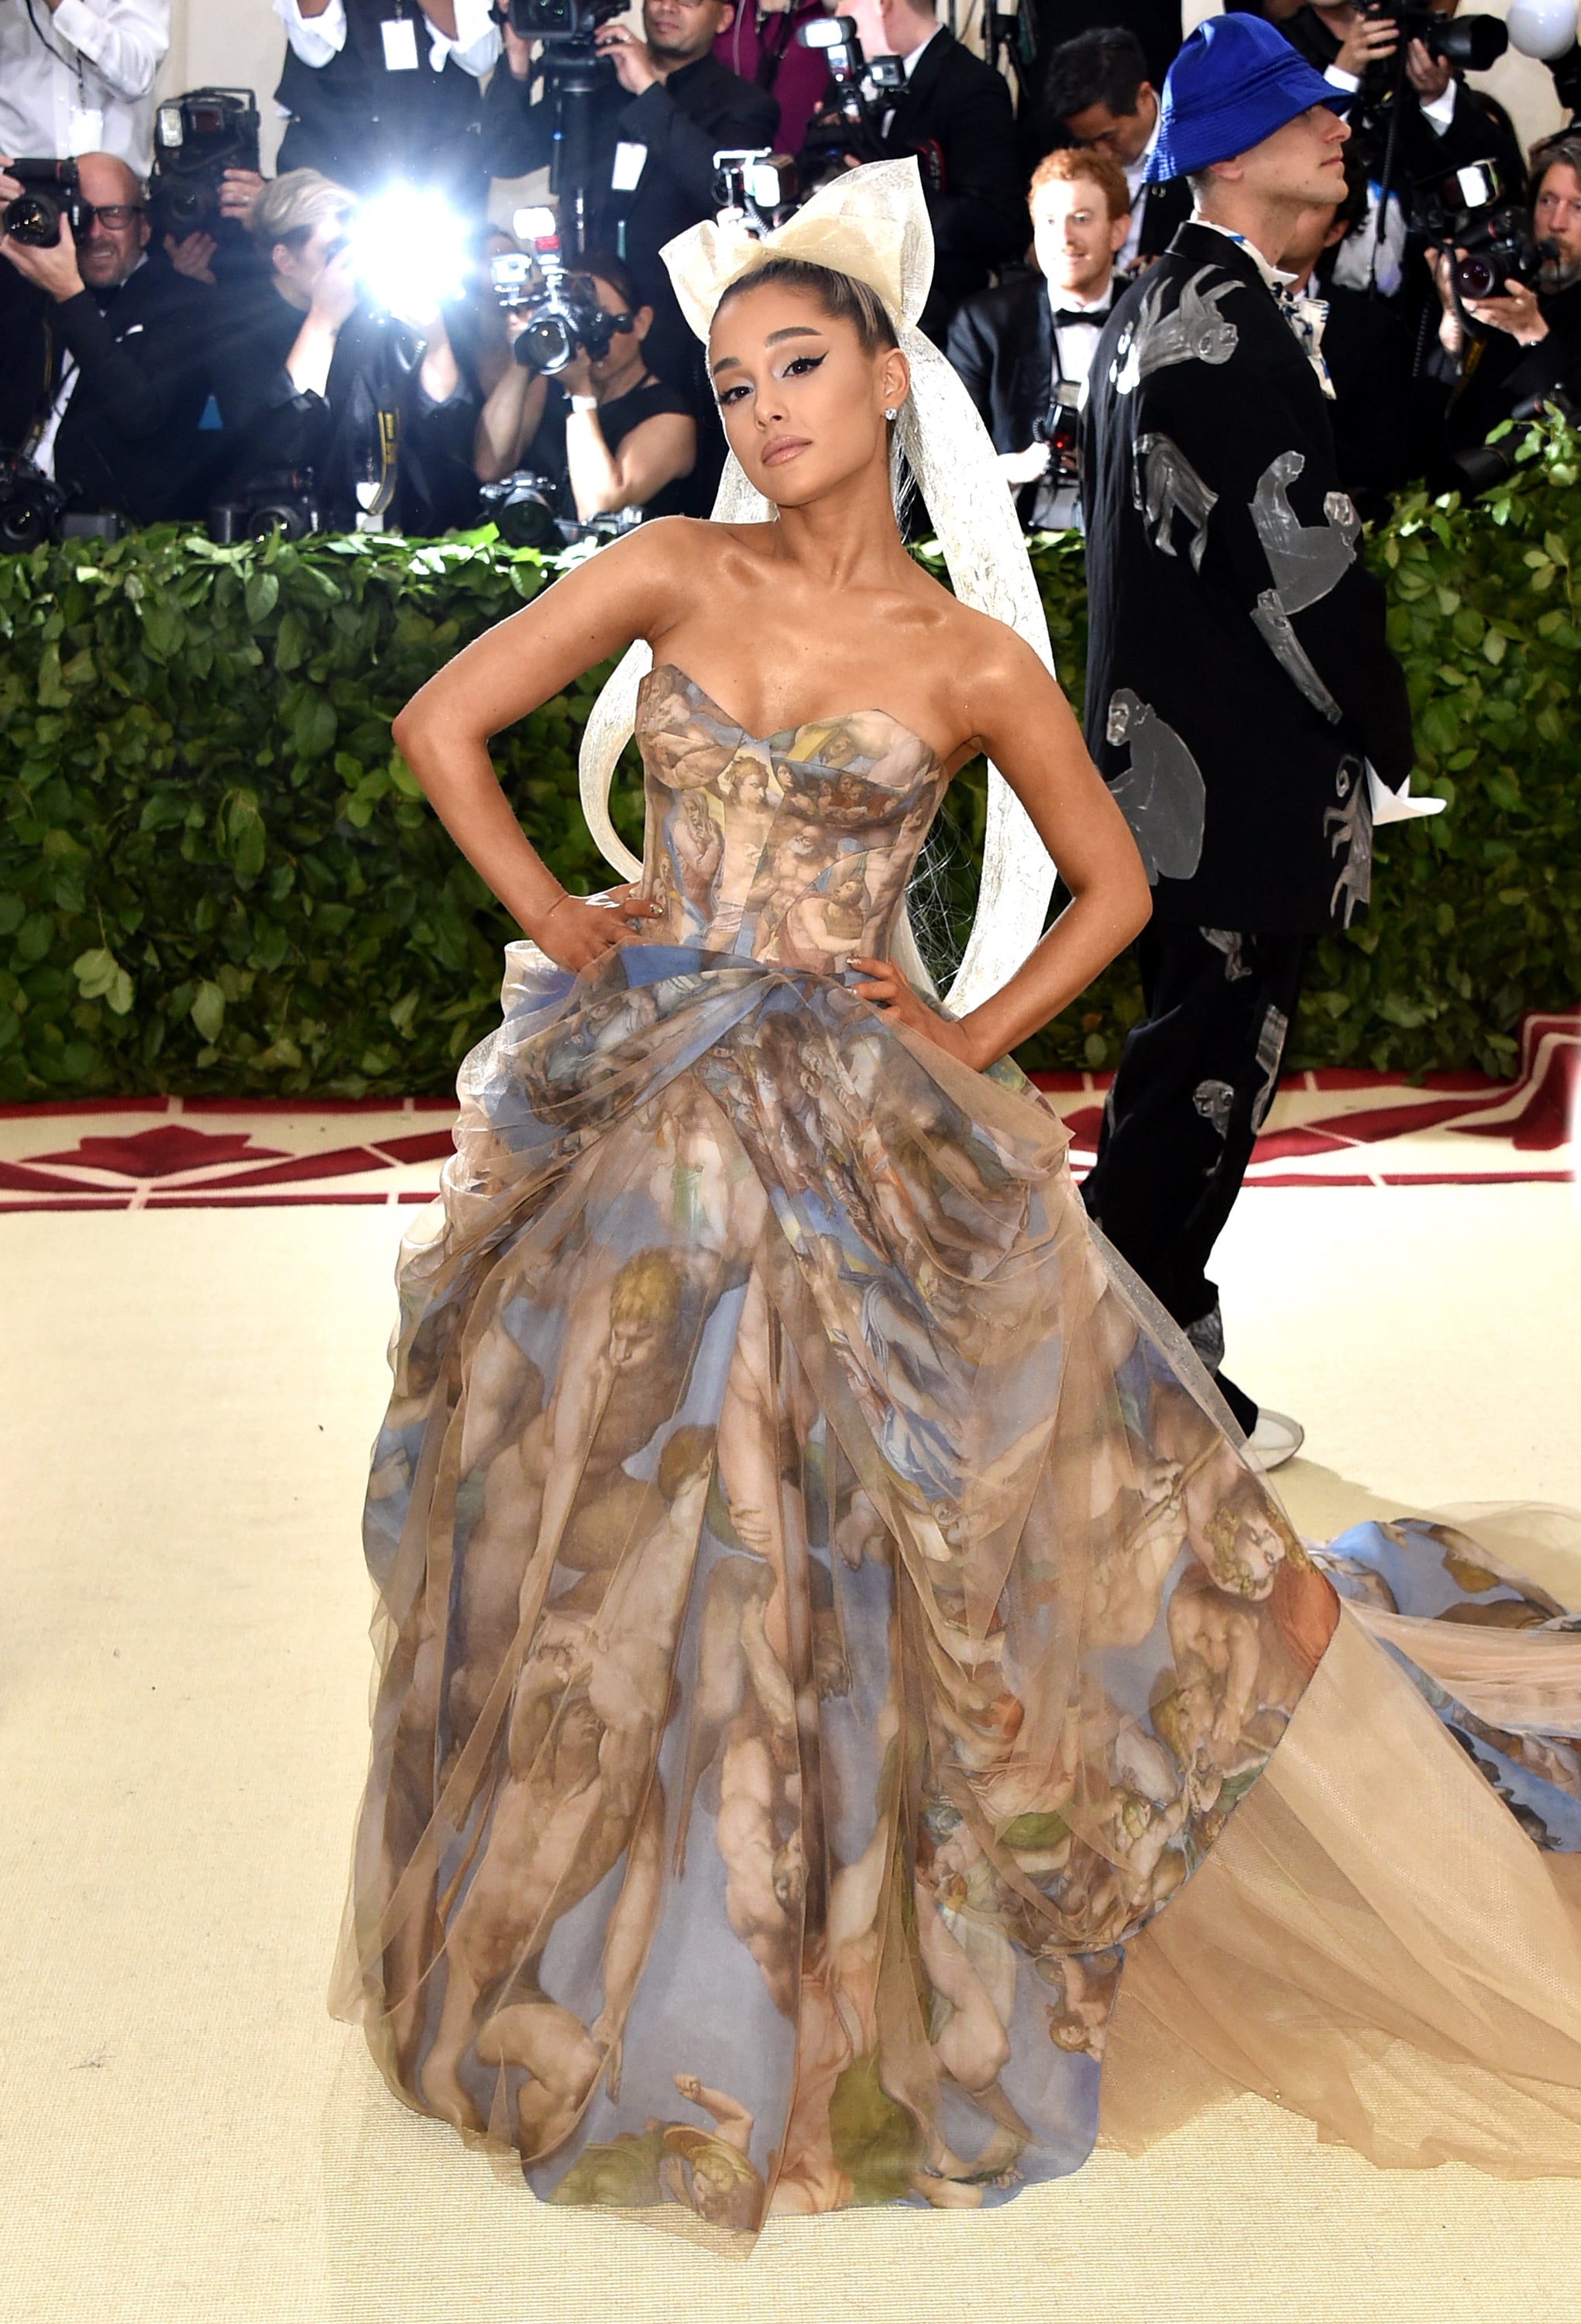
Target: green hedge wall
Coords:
[(216, 875)]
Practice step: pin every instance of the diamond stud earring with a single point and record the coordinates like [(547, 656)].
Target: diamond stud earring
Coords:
[(892, 415)]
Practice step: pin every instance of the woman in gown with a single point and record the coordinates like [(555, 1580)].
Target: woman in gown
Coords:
[(825, 1614)]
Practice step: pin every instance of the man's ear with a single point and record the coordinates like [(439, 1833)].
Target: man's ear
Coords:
[(1119, 227), (727, 17)]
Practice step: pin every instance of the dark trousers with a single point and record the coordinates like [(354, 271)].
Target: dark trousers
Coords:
[(1196, 1079)]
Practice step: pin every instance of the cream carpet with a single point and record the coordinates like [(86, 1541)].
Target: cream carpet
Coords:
[(184, 2134)]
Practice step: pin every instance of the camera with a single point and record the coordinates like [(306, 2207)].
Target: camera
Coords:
[(560, 20), (860, 91), (32, 506), (197, 137), (50, 193), (753, 188), (1059, 425), (561, 306), (286, 503), (1472, 212), (524, 510), (1472, 43)]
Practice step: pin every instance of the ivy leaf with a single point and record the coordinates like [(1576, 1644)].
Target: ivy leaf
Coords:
[(95, 972), (242, 833), (208, 1011)]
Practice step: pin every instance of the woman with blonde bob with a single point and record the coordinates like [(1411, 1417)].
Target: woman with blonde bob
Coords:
[(826, 1611)]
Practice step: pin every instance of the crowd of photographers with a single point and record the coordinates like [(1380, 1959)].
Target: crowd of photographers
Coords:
[(181, 338)]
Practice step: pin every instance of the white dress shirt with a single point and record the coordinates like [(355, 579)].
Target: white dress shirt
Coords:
[(1058, 505), (317, 39), (94, 92)]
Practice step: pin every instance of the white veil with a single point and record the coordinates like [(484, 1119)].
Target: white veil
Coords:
[(873, 224)]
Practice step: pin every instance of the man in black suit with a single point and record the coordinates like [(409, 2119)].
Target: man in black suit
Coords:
[(1097, 96), (1024, 348), (115, 344), (955, 115), (1239, 677), (666, 107)]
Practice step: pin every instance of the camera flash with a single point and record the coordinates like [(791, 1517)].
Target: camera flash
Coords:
[(535, 225), (169, 124)]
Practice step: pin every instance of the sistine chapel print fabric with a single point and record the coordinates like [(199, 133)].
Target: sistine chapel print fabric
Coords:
[(823, 1617)]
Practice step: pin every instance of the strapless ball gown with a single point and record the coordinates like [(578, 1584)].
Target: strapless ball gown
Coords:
[(828, 1633)]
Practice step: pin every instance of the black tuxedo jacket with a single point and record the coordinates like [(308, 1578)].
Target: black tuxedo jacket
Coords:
[(1237, 673), (1502, 380), (1002, 343), (129, 438), (956, 113)]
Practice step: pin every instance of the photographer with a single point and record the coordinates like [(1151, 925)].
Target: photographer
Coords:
[(77, 77), (955, 115), (1500, 358), (665, 106), (1024, 348), (604, 431), (1099, 95), (1443, 122), (385, 88), (311, 380), (115, 349)]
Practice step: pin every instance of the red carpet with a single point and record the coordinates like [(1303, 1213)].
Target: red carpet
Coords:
[(1332, 1128)]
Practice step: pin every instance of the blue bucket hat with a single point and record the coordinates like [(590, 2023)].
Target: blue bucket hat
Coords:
[(1235, 82)]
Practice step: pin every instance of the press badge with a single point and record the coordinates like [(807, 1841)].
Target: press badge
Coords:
[(87, 133), (628, 166), (400, 44)]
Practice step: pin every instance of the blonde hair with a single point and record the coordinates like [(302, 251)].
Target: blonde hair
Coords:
[(290, 207), (1068, 163)]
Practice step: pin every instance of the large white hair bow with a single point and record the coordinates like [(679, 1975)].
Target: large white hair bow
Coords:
[(873, 223)]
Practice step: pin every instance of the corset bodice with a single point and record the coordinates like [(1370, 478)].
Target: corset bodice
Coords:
[(794, 847)]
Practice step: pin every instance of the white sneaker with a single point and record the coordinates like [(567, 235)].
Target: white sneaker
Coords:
[(1276, 1439)]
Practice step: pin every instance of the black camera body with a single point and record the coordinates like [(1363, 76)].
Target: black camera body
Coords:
[(753, 188), (1059, 425), (560, 20), (50, 191), (561, 306), (1472, 42), (32, 506), (524, 510), (861, 89), (1471, 211), (197, 137), (286, 502)]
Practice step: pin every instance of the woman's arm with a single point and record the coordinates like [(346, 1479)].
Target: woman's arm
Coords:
[(1024, 725), (655, 452), (443, 734), (511, 417)]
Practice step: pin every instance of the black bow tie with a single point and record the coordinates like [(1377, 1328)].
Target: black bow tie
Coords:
[(1097, 316)]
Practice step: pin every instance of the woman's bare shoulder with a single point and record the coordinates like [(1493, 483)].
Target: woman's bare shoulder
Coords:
[(673, 560)]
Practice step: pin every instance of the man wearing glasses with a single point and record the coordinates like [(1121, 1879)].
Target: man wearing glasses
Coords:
[(113, 345)]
